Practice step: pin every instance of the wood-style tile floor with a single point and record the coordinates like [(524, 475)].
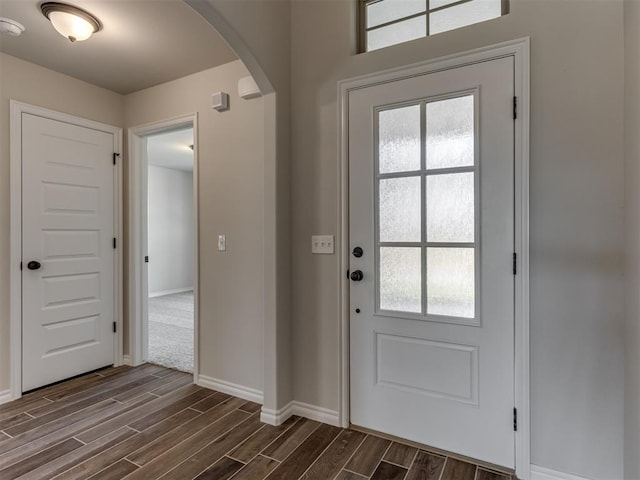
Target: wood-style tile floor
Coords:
[(149, 422)]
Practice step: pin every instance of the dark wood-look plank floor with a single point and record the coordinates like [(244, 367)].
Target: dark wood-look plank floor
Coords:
[(149, 423)]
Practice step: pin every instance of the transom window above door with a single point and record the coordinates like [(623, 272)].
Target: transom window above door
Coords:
[(383, 23), (427, 214)]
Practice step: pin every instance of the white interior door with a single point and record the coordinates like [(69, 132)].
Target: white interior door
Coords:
[(431, 172), (67, 251)]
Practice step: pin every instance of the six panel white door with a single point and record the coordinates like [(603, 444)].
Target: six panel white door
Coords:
[(67, 227), (431, 192)]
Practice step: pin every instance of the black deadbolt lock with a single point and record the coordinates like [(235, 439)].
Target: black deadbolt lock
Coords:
[(357, 252), (33, 265)]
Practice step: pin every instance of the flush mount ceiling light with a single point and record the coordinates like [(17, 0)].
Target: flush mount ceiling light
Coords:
[(71, 22)]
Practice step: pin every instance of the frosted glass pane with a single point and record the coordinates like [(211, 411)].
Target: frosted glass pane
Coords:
[(397, 33), (389, 10), (400, 212), (450, 133), (450, 207), (451, 282), (463, 15), (401, 279), (433, 4), (399, 139)]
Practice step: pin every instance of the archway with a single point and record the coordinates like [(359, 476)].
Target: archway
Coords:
[(259, 34)]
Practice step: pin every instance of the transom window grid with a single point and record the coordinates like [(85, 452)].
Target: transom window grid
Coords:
[(423, 174), (413, 19)]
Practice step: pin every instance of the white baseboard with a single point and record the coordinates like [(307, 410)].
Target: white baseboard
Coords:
[(5, 396), (276, 417), (319, 414), (271, 417), (229, 388), (541, 473), (126, 360), (301, 409), (170, 292)]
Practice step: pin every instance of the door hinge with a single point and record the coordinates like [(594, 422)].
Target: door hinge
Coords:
[(515, 263), (146, 259), (115, 327), (515, 107), (115, 155), (114, 242), (515, 419)]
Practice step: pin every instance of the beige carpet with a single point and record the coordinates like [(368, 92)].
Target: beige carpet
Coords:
[(171, 331)]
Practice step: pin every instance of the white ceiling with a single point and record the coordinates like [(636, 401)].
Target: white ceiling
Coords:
[(143, 42), (171, 149)]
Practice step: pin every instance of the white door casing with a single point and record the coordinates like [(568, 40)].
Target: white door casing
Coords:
[(442, 374), (65, 214), (137, 267)]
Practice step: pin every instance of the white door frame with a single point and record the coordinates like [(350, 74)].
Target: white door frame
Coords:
[(138, 281), (15, 248), (519, 50)]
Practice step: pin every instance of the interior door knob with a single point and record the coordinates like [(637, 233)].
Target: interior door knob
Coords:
[(356, 275), (33, 265)]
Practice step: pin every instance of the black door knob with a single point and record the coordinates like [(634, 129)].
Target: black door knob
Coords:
[(356, 276), (33, 265)]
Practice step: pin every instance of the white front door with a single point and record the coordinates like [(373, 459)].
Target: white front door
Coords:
[(67, 250), (431, 189)]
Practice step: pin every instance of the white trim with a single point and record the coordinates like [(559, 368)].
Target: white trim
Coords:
[(522, 332), (240, 391), (542, 473), (138, 283), (171, 292), (519, 50), (276, 417), (15, 248), (126, 360), (118, 218), (5, 396), (319, 414), (301, 409), (137, 269)]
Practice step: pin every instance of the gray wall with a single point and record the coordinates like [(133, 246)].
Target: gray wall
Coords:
[(576, 211), (170, 238), (230, 199), (632, 238), (259, 33), (29, 83)]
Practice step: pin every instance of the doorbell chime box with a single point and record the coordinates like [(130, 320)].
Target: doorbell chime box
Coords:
[(220, 101)]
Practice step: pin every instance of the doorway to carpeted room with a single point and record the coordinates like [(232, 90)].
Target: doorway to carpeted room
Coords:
[(171, 248), (171, 331)]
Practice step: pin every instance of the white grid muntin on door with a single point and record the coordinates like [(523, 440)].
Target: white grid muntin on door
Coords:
[(406, 232)]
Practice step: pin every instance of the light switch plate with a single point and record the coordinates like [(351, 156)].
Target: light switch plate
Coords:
[(322, 244), (222, 243)]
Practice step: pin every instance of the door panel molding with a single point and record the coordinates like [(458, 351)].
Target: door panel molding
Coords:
[(519, 50), (466, 364), (17, 109)]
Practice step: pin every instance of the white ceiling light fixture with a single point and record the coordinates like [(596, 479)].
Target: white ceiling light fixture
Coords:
[(71, 22), (10, 26)]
